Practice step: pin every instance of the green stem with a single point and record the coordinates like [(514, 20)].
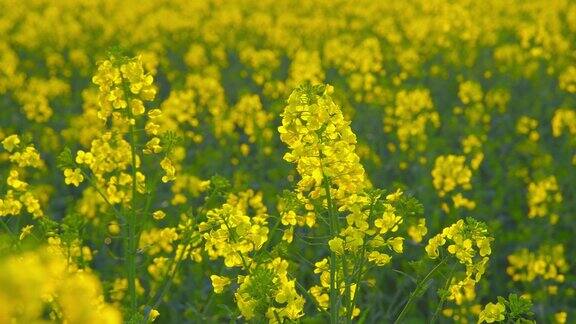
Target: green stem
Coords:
[(357, 274), (131, 238), (443, 298), (274, 229), (93, 183), (171, 273), (150, 196), (310, 297), (416, 291), (333, 232)]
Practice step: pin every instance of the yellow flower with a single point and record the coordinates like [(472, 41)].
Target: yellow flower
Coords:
[(84, 158), (74, 177), (14, 182), (158, 215), (11, 142), (450, 172), (27, 157), (461, 201), (114, 228), (389, 221), (410, 118), (463, 250), (153, 315), (49, 276), (336, 245), (564, 120), (289, 218), (113, 79), (433, 244), (137, 107), (543, 197), (154, 113), (380, 259), (484, 245), (418, 231), (152, 146), (492, 313), (288, 235), (394, 196), (548, 263), (32, 204), (321, 266), (321, 298), (560, 317), (168, 166), (239, 227), (219, 283), (321, 144), (397, 244)]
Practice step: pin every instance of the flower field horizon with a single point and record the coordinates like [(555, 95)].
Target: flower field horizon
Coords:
[(287, 161)]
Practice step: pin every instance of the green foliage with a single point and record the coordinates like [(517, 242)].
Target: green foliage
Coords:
[(519, 310)]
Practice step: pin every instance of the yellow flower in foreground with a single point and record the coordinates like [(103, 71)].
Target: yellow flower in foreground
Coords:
[(49, 285), (74, 177), (492, 313)]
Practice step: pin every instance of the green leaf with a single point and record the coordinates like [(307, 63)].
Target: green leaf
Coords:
[(65, 160)]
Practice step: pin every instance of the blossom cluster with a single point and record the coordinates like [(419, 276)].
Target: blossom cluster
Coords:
[(469, 243)]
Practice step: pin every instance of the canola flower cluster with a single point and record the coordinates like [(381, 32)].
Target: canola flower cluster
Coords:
[(470, 244), (451, 175), (548, 262), (409, 120), (322, 145), (232, 233), (19, 193), (542, 197), (236, 231)]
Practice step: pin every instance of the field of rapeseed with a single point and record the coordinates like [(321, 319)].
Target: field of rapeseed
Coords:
[(283, 161)]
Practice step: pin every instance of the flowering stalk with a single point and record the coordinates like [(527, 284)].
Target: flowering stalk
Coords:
[(323, 147), (111, 165)]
